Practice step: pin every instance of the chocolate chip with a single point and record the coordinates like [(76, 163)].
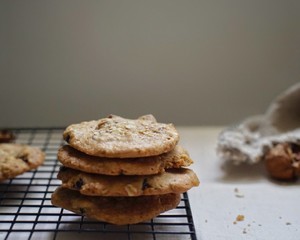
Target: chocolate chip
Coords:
[(67, 138), (82, 211), (24, 158), (145, 184), (63, 168), (78, 184)]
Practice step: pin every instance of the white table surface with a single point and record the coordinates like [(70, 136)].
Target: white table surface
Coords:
[(271, 209)]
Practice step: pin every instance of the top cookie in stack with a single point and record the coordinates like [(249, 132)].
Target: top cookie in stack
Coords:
[(117, 137), (114, 166)]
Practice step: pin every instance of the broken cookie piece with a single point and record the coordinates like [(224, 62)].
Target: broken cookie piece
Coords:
[(16, 159), (283, 161)]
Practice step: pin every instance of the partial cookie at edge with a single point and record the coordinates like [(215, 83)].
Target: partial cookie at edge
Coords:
[(16, 159)]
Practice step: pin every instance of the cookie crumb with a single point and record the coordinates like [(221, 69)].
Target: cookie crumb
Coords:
[(234, 222), (78, 184), (240, 218), (238, 193), (145, 184)]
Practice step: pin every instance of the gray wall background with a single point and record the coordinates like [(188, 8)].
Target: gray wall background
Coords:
[(187, 62)]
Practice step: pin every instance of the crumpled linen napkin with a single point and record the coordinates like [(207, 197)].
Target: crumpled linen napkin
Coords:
[(252, 138)]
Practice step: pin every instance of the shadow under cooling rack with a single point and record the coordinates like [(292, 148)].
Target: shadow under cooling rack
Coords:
[(26, 211)]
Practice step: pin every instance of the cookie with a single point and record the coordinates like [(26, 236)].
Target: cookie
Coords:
[(282, 161), (72, 158), (172, 181), (115, 210), (117, 137), (16, 159)]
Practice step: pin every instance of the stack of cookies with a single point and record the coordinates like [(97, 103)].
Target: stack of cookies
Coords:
[(122, 171)]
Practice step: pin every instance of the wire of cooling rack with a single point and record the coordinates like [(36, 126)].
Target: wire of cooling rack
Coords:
[(26, 211)]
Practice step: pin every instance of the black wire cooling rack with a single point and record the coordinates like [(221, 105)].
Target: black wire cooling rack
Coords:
[(26, 211)]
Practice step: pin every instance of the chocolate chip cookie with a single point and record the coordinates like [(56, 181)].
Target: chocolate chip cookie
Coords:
[(115, 210), (16, 159), (172, 181), (72, 158), (117, 137)]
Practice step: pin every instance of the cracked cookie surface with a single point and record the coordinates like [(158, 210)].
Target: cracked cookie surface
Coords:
[(117, 137), (16, 159)]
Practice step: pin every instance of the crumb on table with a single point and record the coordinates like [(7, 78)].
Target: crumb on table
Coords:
[(239, 218), (238, 193)]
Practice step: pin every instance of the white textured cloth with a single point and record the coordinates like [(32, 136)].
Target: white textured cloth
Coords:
[(253, 137)]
